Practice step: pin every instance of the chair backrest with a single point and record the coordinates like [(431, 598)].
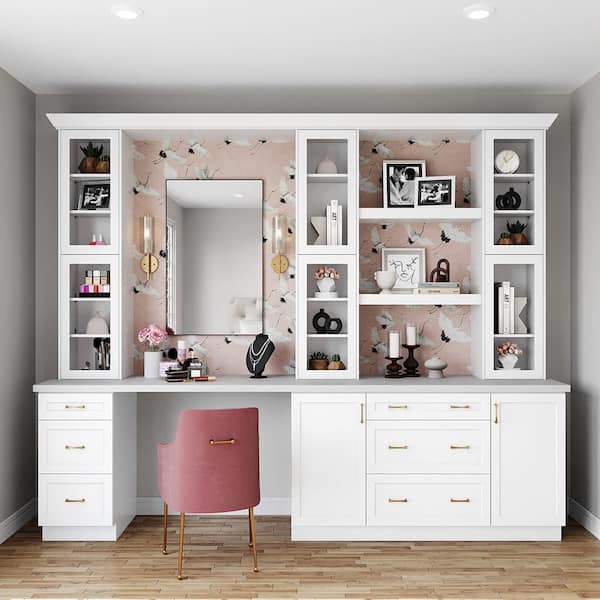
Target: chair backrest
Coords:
[(214, 460)]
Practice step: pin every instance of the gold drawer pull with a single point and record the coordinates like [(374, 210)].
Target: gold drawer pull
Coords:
[(80, 406), (71, 500), (460, 406), (460, 499), (466, 447), (395, 500), (393, 447), (222, 442), (69, 447), (397, 405)]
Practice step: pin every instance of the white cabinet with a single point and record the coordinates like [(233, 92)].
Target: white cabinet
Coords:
[(328, 459), (528, 459)]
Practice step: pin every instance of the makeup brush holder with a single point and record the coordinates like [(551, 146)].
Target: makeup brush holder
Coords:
[(411, 365)]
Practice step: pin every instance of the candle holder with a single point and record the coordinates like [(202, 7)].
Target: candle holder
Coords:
[(411, 365), (393, 370)]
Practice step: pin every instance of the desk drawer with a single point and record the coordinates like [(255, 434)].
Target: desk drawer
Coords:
[(428, 500), (74, 406), (75, 447), (403, 407), (75, 500), (428, 447)]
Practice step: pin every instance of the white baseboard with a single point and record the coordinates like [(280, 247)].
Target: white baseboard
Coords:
[(18, 519), (584, 517), (153, 505)]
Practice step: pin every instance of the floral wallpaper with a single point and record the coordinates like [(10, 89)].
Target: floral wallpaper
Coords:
[(269, 159), (443, 331)]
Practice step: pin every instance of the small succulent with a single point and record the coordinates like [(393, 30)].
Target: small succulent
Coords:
[(91, 151), (516, 227), (335, 358), (318, 356), (505, 235)]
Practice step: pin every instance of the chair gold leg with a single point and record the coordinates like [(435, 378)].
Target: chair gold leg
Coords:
[(180, 560), (165, 522), (253, 537), (249, 529)]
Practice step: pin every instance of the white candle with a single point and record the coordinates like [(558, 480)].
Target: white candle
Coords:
[(411, 335), (394, 345)]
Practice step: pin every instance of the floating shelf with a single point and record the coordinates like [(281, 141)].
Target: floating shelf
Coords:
[(420, 213), (327, 178), (514, 177), (90, 176), (91, 213), (418, 299), (89, 335)]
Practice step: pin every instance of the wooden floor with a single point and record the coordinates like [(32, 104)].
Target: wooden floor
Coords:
[(219, 565)]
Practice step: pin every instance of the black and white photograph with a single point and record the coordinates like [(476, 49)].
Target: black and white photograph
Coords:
[(399, 182), (94, 196), (407, 263), (436, 191)]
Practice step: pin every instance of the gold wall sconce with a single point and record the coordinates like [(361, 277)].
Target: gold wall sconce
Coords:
[(149, 262), (280, 262)]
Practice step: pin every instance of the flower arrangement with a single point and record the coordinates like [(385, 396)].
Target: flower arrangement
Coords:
[(506, 348), (324, 272), (153, 336)]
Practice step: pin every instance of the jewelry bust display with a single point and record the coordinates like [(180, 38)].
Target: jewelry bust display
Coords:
[(258, 355)]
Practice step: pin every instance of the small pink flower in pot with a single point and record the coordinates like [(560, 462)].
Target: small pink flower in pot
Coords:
[(153, 337)]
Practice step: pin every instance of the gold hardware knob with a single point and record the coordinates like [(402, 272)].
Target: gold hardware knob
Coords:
[(496, 420), (69, 447), (397, 405), (80, 406), (222, 442), (453, 447), (362, 413), (396, 500), (460, 499), (71, 500), (392, 447), (460, 406)]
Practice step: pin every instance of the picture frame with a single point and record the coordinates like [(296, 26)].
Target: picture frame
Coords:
[(436, 191), (408, 264), (399, 182), (94, 196)]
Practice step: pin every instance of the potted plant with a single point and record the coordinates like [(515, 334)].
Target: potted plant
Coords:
[(516, 233), (336, 363), (505, 239), (318, 361), (152, 337), (103, 165), (91, 155), (326, 278), (508, 354)]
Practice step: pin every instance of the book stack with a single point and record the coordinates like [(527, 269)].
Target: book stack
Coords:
[(334, 223), (437, 287), (505, 308)]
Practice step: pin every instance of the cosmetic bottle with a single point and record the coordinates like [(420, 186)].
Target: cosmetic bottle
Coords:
[(181, 351)]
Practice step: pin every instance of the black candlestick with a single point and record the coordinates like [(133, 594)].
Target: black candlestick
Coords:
[(411, 365), (393, 370)]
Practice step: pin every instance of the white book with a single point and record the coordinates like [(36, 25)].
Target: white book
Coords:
[(505, 307), (512, 310), (328, 225), (334, 222), (500, 309), (340, 235)]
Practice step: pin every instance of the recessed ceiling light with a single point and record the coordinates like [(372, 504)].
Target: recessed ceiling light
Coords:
[(478, 12), (126, 12)]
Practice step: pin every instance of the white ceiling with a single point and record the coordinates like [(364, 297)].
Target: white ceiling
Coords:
[(76, 46)]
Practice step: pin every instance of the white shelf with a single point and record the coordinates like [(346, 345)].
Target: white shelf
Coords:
[(514, 213), (327, 299), (419, 299), (327, 178), (89, 335), (514, 335), (514, 177), (91, 213), (90, 176), (74, 299), (327, 335), (420, 213)]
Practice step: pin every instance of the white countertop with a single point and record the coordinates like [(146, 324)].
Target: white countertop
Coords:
[(287, 383)]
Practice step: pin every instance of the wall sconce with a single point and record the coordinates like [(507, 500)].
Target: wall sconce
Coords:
[(280, 263), (149, 262)]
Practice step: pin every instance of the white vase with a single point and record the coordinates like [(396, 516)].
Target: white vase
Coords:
[(152, 364), (326, 285), (508, 361), (386, 280)]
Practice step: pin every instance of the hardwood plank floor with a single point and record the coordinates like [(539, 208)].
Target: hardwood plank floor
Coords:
[(219, 565)]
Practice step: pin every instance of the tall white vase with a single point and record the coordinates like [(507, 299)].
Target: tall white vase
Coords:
[(152, 364)]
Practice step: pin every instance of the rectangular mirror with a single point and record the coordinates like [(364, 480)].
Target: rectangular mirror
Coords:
[(214, 256)]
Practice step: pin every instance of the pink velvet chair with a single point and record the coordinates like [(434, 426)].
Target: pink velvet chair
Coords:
[(211, 466)]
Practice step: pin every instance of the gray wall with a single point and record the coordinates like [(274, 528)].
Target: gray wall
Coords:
[(585, 285), (17, 248)]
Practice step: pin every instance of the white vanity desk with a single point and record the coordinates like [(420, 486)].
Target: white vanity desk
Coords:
[(462, 458)]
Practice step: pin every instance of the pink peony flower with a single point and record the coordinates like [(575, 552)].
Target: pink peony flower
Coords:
[(153, 336)]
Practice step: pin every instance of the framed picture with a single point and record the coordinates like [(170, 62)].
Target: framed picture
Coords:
[(399, 182), (408, 264), (94, 195), (436, 191)]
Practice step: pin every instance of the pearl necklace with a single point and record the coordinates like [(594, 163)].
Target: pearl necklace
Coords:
[(256, 357)]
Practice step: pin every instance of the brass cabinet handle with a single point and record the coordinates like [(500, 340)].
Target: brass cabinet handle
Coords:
[(460, 406), (465, 447), (396, 500), (71, 500), (393, 447), (80, 406), (397, 405), (460, 499), (362, 413), (69, 447), (222, 442), (497, 419)]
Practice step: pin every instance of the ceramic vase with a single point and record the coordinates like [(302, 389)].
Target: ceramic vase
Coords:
[(152, 364), (88, 164), (436, 367), (319, 224), (386, 280), (508, 361), (326, 285)]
